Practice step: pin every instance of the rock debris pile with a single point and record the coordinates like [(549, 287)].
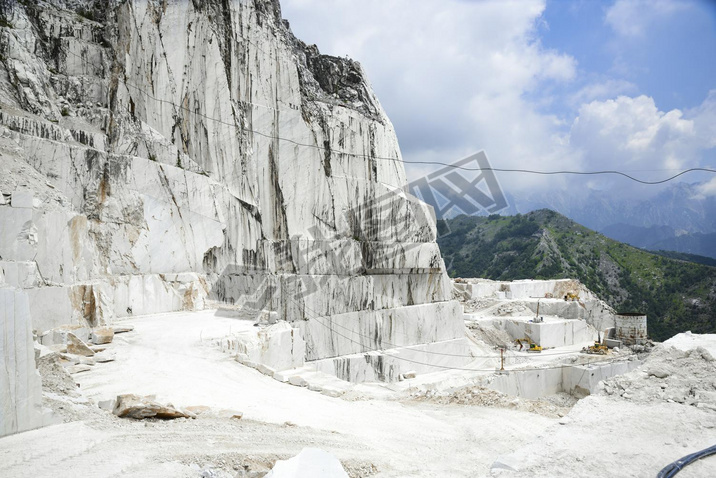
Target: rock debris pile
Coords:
[(669, 375), (557, 405)]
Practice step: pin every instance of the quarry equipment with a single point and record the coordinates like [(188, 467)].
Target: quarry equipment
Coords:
[(571, 296), (538, 319), (531, 346), (598, 349)]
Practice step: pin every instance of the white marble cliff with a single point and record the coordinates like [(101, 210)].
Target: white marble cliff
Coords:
[(156, 155)]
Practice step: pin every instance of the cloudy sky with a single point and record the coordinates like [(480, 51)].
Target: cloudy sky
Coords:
[(582, 84)]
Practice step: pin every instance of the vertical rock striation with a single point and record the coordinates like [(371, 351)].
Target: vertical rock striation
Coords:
[(159, 153)]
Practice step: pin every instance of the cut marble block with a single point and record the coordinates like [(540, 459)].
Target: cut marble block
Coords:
[(277, 347), (22, 275), (523, 289), (388, 365), (297, 297), (364, 331), (582, 380), (93, 304), (593, 311), (553, 332), (21, 386)]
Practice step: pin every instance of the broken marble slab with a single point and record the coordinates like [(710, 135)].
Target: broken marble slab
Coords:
[(269, 349), (104, 357), (137, 407), (58, 336), (76, 346), (102, 335), (73, 369), (73, 359), (121, 329)]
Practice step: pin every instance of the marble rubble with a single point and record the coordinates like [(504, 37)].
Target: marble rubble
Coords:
[(155, 156)]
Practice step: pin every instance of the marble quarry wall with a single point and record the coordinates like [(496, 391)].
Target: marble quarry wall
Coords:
[(158, 155), (578, 380), (587, 306), (20, 386)]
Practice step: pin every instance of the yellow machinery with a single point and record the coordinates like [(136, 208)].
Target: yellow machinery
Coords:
[(571, 296), (599, 347), (532, 347)]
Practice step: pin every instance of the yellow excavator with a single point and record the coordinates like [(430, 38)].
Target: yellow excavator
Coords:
[(531, 346)]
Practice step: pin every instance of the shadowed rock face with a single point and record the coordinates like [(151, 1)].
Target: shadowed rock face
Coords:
[(174, 151), (339, 80)]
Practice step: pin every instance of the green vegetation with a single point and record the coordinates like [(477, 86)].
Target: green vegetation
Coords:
[(683, 256), (676, 295)]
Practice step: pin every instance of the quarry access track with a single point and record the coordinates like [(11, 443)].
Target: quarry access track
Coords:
[(171, 356)]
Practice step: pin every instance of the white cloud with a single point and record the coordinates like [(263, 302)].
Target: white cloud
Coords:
[(459, 76), (454, 76), (602, 90), (706, 189), (705, 118), (633, 134), (632, 18)]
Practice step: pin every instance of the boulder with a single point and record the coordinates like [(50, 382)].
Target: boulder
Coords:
[(102, 335), (134, 406)]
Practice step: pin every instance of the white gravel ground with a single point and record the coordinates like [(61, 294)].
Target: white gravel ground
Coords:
[(170, 356)]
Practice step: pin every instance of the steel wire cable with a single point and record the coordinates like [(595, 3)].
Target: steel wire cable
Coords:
[(405, 161)]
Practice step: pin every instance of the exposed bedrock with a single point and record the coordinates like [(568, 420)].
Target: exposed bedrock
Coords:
[(155, 155)]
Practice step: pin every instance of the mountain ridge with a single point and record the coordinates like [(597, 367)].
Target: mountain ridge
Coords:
[(543, 244)]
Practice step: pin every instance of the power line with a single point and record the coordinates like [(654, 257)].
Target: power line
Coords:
[(434, 163), (404, 161), (580, 173)]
